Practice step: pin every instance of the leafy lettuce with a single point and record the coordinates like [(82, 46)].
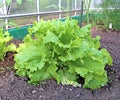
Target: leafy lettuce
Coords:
[(4, 46), (63, 51)]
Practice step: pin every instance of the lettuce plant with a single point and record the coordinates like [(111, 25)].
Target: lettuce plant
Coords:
[(4, 46), (63, 51)]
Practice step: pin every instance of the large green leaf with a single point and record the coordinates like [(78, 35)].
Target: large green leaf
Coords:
[(52, 69), (37, 76), (67, 77), (82, 71), (106, 57), (35, 64), (79, 50), (50, 37), (24, 56), (95, 81)]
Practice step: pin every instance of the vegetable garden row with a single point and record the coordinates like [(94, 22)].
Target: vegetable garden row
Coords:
[(59, 50)]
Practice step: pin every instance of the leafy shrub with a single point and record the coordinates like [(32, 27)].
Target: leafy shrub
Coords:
[(111, 13), (63, 51), (4, 47), (96, 19), (112, 16)]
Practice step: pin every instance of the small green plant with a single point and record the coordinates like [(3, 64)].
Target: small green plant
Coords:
[(63, 51), (96, 19), (109, 14), (112, 17), (4, 47)]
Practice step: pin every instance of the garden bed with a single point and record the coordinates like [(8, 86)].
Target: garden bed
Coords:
[(13, 87)]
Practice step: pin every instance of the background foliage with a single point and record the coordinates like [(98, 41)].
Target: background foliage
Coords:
[(110, 14)]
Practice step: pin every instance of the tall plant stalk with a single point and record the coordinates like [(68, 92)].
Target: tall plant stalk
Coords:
[(68, 7), (87, 6)]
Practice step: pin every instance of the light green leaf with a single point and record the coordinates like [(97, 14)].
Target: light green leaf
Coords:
[(4, 46), (97, 42), (11, 47), (50, 37), (35, 64), (79, 52), (37, 76), (21, 72), (66, 38), (95, 81), (67, 78), (24, 56), (52, 68), (106, 56), (82, 71)]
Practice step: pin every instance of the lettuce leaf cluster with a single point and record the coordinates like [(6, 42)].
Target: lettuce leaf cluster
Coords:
[(4, 46), (63, 51)]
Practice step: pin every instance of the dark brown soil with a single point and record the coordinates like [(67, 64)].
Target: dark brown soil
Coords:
[(16, 88)]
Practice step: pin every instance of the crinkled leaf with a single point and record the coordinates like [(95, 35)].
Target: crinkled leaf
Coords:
[(97, 42), (106, 56), (95, 81), (11, 47), (4, 45), (82, 71), (67, 77), (52, 70), (65, 38), (78, 52), (50, 37), (35, 64), (37, 76)]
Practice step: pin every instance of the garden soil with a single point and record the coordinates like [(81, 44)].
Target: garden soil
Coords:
[(13, 87)]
